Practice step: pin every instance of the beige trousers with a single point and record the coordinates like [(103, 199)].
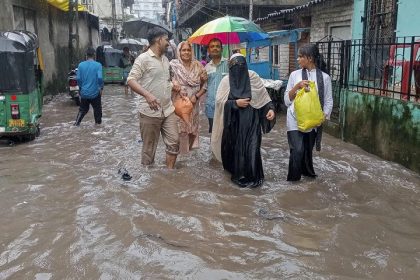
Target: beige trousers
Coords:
[(151, 128)]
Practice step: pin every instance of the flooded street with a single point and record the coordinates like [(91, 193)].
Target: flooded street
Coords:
[(67, 214)]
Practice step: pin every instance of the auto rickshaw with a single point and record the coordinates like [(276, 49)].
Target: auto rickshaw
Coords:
[(110, 60), (21, 91)]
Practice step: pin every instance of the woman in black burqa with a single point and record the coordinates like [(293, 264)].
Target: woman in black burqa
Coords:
[(243, 112), (301, 143)]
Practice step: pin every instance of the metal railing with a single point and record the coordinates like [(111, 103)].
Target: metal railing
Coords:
[(386, 69), (336, 58)]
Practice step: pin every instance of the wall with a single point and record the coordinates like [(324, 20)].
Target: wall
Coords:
[(387, 127), (336, 13), (53, 33), (408, 19), (357, 24)]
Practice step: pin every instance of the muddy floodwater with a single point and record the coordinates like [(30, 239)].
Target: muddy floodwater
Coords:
[(67, 214)]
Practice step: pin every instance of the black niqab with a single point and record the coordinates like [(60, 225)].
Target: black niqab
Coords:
[(240, 85)]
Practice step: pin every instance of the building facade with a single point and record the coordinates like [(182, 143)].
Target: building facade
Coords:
[(111, 13), (151, 9), (193, 14)]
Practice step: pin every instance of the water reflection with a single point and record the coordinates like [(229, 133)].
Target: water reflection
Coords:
[(67, 214)]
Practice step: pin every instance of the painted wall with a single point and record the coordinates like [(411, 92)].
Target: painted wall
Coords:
[(383, 126), (357, 24), (408, 19)]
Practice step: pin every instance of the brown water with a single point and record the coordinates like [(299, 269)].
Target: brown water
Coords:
[(67, 214)]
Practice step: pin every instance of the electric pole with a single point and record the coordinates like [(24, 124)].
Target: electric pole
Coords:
[(114, 30), (122, 11), (73, 38), (70, 15), (251, 8), (77, 25)]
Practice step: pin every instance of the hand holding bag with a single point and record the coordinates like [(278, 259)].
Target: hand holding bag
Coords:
[(183, 108), (308, 108)]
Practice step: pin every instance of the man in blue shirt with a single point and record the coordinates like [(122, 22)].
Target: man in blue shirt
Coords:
[(216, 69), (89, 79)]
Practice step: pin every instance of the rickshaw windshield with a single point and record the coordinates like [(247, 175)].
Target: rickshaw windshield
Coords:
[(112, 59), (17, 72)]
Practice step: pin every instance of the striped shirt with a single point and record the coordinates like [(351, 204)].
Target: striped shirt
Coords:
[(215, 74)]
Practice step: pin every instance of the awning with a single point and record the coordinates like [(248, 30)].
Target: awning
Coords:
[(279, 37), (291, 10), (64, 5)]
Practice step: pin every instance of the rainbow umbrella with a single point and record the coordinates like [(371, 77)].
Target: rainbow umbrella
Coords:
[(230, 30)]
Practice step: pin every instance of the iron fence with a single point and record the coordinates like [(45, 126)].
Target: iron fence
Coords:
[(386, 69), (336, 58)]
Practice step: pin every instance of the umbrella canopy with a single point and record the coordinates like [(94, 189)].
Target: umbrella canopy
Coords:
[(138, 28), (230, 30), (132, 44)]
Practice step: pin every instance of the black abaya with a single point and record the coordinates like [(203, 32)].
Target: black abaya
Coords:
[(241, 142)]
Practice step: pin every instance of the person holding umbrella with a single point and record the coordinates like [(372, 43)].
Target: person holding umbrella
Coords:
[(216, 69), (225, 30)]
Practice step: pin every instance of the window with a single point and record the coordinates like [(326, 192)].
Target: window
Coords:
[(83, 2), (24, 19), (90, 2), (275, 50)]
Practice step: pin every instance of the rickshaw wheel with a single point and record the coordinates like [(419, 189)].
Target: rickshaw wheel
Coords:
[(30, 137)]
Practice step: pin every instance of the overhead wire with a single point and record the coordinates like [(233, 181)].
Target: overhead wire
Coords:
[(192, 4), (210, 9)]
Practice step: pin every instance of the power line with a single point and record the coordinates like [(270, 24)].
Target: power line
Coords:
[(192, 5)]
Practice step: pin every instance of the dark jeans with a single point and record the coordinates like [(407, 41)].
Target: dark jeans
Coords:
[(84, 108), (300, 160)]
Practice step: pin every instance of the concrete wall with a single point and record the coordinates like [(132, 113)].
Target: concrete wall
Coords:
[(332, 14), (53, 33), (387, 127)]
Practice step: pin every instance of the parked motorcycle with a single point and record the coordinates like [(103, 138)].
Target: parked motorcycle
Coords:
[(73, 86)]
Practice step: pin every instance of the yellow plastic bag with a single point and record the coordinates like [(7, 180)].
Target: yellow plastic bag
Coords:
[(308, 108)]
